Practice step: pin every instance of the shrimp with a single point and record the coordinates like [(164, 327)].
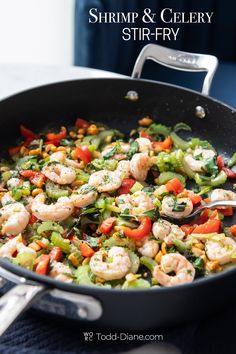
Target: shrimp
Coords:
[(144, 144), (139, 166), (119, 154), (105, 181), (60, 156), (61, 272), (123, 169), (55, 212), (117, 267), (84, 196), (149, 248), (14, 182), (222, 194), (169, 205), (193, 164), (197, 165), (137, 203), (59, 173), (7, 198), (174, 262), (10, 247), (220, 250), (13, 218), (164, 230)]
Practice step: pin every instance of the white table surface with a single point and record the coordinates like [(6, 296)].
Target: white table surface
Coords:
[(19, 77)]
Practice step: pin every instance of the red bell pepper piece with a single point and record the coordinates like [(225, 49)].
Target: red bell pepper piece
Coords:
[(82, 152), (232, 229), (162, 145), (187, 229), (27, 133), (35, 177), (107, 225), (14, 150), (126, 185), (82, 123), (55, 142), (196, 199), (227, 211), (86, 250), (56, 253), (143, 230), (220, 162), (58, 136), (42, 266), (32, 219), (212, 225), (175, 186), (143, 134), (229, 172)]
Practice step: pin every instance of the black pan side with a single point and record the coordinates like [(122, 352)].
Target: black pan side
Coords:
[(104, 100)]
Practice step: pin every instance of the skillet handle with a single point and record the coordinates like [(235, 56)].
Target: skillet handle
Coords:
[(15, 301), (178, 60)]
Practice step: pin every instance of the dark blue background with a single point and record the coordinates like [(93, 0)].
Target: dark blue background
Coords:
[(101, 45)]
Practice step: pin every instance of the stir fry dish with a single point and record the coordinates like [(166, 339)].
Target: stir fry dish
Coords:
[(88, 205)]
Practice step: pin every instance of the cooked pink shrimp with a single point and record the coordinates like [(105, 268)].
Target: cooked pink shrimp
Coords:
[(140, 165), (174, 262), (55, 212)]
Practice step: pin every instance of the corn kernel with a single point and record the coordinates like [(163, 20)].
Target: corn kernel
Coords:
[(77, 183), (197, 252), (199, 245), (81, 131), (23, 150), (36, 191), (163, 248), (146, 121), (204, 258), (213, 266), (158, 257), (86, 261), (45, 155), (34, 246), (34, 152), (99, 280), (60, 148), (74, 260), (73, 135), (92, 129), (96, 154), (50, 147)]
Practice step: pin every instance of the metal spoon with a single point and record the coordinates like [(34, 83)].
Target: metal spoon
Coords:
[(216, 203)]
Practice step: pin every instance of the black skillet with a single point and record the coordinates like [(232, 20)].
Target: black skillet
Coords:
[(120, 103)]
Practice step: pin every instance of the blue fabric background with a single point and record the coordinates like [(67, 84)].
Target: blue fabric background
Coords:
[(101, 45), (32, 334)]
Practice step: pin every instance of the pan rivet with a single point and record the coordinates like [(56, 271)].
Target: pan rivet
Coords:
[(132, 96), (200, 112), (83, 312)]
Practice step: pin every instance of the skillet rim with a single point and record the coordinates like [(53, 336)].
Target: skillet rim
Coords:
[(58, 83), (91, 290)]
